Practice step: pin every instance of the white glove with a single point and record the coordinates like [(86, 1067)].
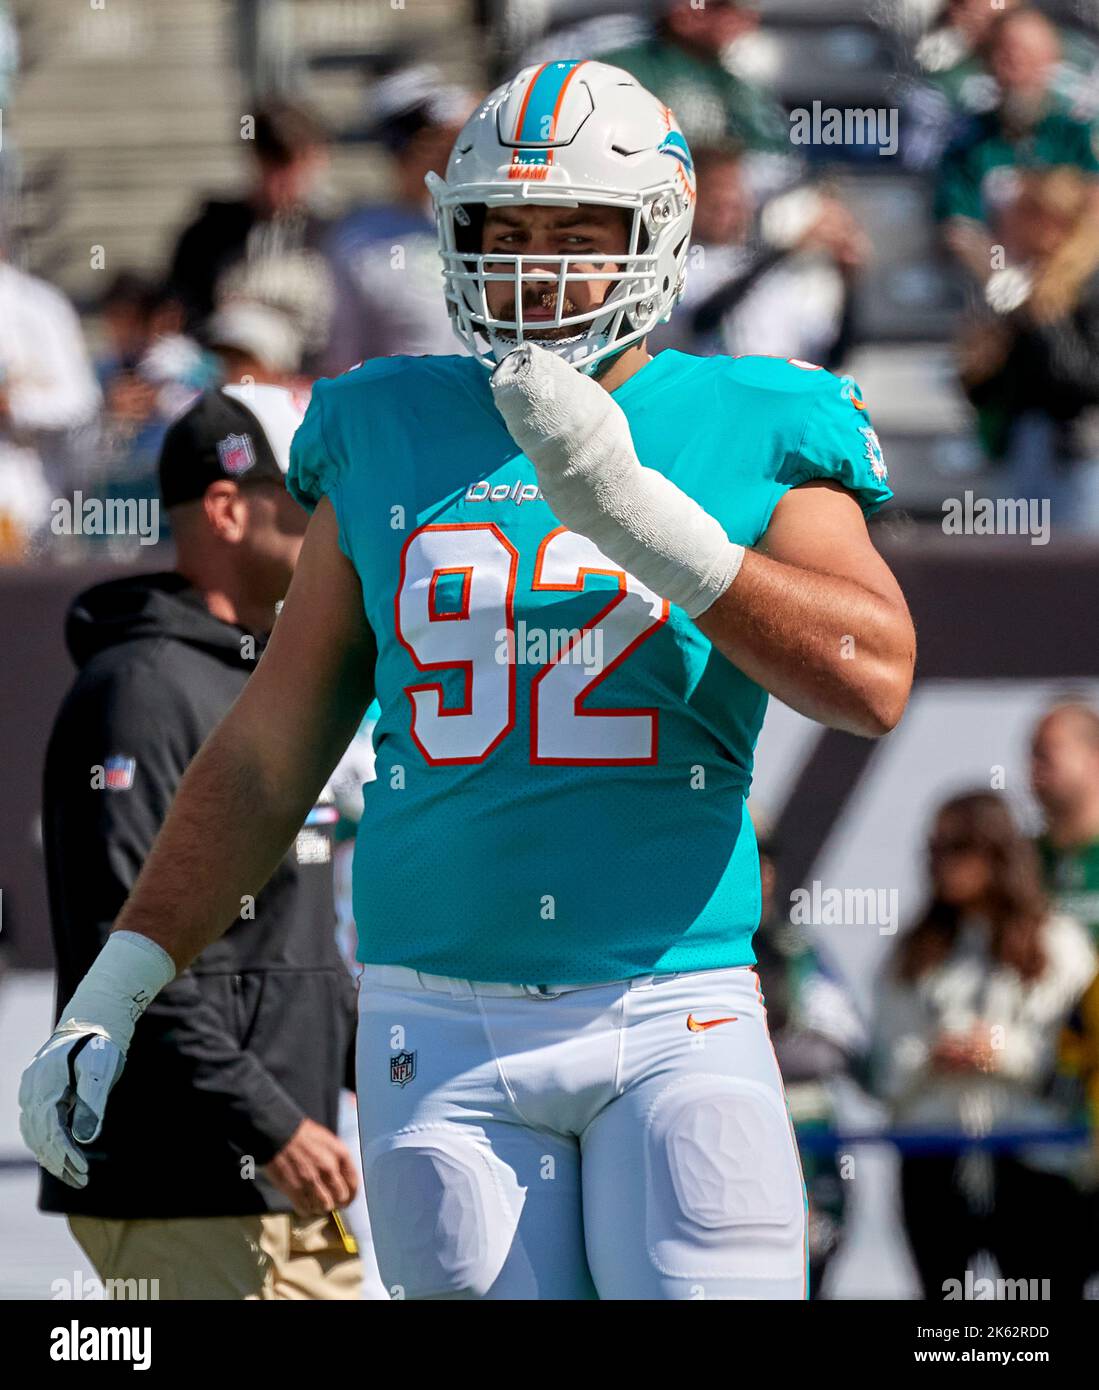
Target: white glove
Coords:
[(575, 434), (63, 1092)]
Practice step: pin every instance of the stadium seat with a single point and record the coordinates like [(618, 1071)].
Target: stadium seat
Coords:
[(850, 64)]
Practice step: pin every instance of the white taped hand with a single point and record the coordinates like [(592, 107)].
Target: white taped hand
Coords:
[(64, 1089), (576, 436)]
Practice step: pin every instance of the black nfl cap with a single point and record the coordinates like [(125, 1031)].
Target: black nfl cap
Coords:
[(238, 433)]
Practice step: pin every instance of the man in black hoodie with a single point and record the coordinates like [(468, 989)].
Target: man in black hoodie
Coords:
[(218, 1169)]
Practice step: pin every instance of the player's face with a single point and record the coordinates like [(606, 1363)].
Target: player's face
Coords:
[(593, 234), (1064, 765), (960, 870), (272, 542)]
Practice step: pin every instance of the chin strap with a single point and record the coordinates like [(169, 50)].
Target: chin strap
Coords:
[(597, 369)]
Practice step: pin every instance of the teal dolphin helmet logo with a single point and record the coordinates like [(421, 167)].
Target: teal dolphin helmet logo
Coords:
[(675, 145)]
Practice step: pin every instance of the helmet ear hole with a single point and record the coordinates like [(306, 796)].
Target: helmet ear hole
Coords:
[(469, 229)]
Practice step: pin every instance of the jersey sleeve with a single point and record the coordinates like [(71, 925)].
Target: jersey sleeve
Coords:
[(839, 444), (316, 462)]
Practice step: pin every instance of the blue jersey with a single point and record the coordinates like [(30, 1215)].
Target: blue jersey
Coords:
[(562, 757)]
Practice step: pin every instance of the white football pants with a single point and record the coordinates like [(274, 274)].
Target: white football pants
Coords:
[(524, 1141)]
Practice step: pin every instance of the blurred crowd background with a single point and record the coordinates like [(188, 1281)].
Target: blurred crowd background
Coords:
[(213, 191), (224, 191)]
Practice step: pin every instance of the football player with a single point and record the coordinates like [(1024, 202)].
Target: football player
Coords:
[(571, 572)]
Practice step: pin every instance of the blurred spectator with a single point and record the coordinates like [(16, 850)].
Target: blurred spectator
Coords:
[(48, 404), (126, 310), (1032, 369), (951, 81), (817, 1035), (966, 1042), (149, 372), (1064, 775), (1031, 126), (788, 293), (683, 63), (954, 81), (949, 53), (386, 255), (266, 245), (255, 342)]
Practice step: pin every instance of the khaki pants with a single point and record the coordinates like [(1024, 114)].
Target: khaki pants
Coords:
[(222, 1257)]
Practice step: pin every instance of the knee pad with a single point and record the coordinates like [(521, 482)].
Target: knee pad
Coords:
[(443, 1211), (725, 1199)]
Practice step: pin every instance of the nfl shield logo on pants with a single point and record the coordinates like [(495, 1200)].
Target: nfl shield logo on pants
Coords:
[(402, 1068)]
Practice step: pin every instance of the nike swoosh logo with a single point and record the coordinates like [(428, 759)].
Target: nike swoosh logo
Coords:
[(696, 1027)]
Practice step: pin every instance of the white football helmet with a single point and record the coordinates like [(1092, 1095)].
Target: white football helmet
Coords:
[(567, 133)]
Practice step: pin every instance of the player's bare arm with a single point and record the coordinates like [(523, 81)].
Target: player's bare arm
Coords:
[(816, 617), (246, 794)]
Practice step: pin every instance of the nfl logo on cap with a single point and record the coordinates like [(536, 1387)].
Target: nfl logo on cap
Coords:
[(235, 454), (118, 773)]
